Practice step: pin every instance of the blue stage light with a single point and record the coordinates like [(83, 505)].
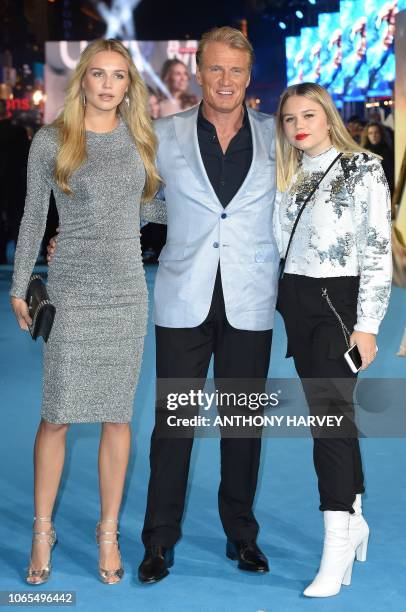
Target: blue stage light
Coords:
[(299, 14), (312, 1), (282, 25)]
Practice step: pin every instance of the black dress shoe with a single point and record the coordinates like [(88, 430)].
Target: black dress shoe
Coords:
[(154, 566), (250, 556)]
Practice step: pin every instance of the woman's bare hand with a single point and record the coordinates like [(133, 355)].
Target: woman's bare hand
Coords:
[(20, 308), (366, 344)]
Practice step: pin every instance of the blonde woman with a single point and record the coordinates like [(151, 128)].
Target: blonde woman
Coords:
[(98, 159), (333, 294)]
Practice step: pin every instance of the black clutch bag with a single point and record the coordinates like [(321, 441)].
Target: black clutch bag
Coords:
[(42, 312)]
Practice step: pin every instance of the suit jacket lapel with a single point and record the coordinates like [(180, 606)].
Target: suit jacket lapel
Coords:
[(186, 133), (258, 155)]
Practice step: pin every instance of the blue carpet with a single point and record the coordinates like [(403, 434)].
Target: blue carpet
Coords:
[(202, 579)]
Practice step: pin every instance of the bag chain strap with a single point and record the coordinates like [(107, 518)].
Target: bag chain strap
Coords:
[(299, 214), (346, 333), (39, 308)]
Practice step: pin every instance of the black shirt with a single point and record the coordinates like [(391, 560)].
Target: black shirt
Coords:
[(226, 171)]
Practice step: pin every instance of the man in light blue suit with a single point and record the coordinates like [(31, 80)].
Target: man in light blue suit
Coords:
[(216, 286)]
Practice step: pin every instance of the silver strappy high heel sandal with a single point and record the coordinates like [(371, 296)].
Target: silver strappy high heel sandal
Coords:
[(43, 537), (106, 575)]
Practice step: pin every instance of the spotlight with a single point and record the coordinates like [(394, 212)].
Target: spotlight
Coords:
[(312, 1), (299, 14), (37, 97), (282, 25)]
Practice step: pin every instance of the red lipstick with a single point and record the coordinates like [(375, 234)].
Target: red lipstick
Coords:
[(301, 136)]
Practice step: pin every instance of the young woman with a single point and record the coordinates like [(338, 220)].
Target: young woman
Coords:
[(333, 294), (98, 159)]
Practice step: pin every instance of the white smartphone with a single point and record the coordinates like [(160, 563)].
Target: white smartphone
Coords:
[(353, 358)]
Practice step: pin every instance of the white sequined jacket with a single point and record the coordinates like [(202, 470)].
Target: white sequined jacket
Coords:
[(345, 229)]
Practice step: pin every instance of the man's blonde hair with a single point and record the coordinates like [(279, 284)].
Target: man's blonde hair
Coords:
[(228, 36)]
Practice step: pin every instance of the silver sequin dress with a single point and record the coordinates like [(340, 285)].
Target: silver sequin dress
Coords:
[(96, 280)]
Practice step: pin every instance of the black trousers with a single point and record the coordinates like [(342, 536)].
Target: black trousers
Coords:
[(185, 353), (317, 344)]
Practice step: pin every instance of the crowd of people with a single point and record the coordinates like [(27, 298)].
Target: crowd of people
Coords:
[(371, 133)]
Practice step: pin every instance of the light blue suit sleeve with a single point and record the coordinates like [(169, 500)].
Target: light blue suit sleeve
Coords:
[(277, 228)]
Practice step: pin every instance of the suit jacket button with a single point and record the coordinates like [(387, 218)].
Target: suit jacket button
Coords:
[(216, 245), (224, 216)]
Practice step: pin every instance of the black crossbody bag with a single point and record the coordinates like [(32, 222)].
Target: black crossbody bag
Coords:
[(41, 310), (309, 197)]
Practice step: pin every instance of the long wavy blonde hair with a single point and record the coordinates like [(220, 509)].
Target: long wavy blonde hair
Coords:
[(288, 156), (71, 120)]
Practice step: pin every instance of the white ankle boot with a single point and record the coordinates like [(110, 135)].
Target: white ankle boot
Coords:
[(359, 530), (337, 559)]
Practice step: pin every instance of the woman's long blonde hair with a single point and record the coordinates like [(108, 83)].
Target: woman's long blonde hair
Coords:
[(287, 156), (71, 121)]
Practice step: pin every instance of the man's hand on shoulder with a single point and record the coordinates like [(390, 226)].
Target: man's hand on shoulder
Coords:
[(51, 248)]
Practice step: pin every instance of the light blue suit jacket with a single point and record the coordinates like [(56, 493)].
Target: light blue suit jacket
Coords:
[(199, 236)]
